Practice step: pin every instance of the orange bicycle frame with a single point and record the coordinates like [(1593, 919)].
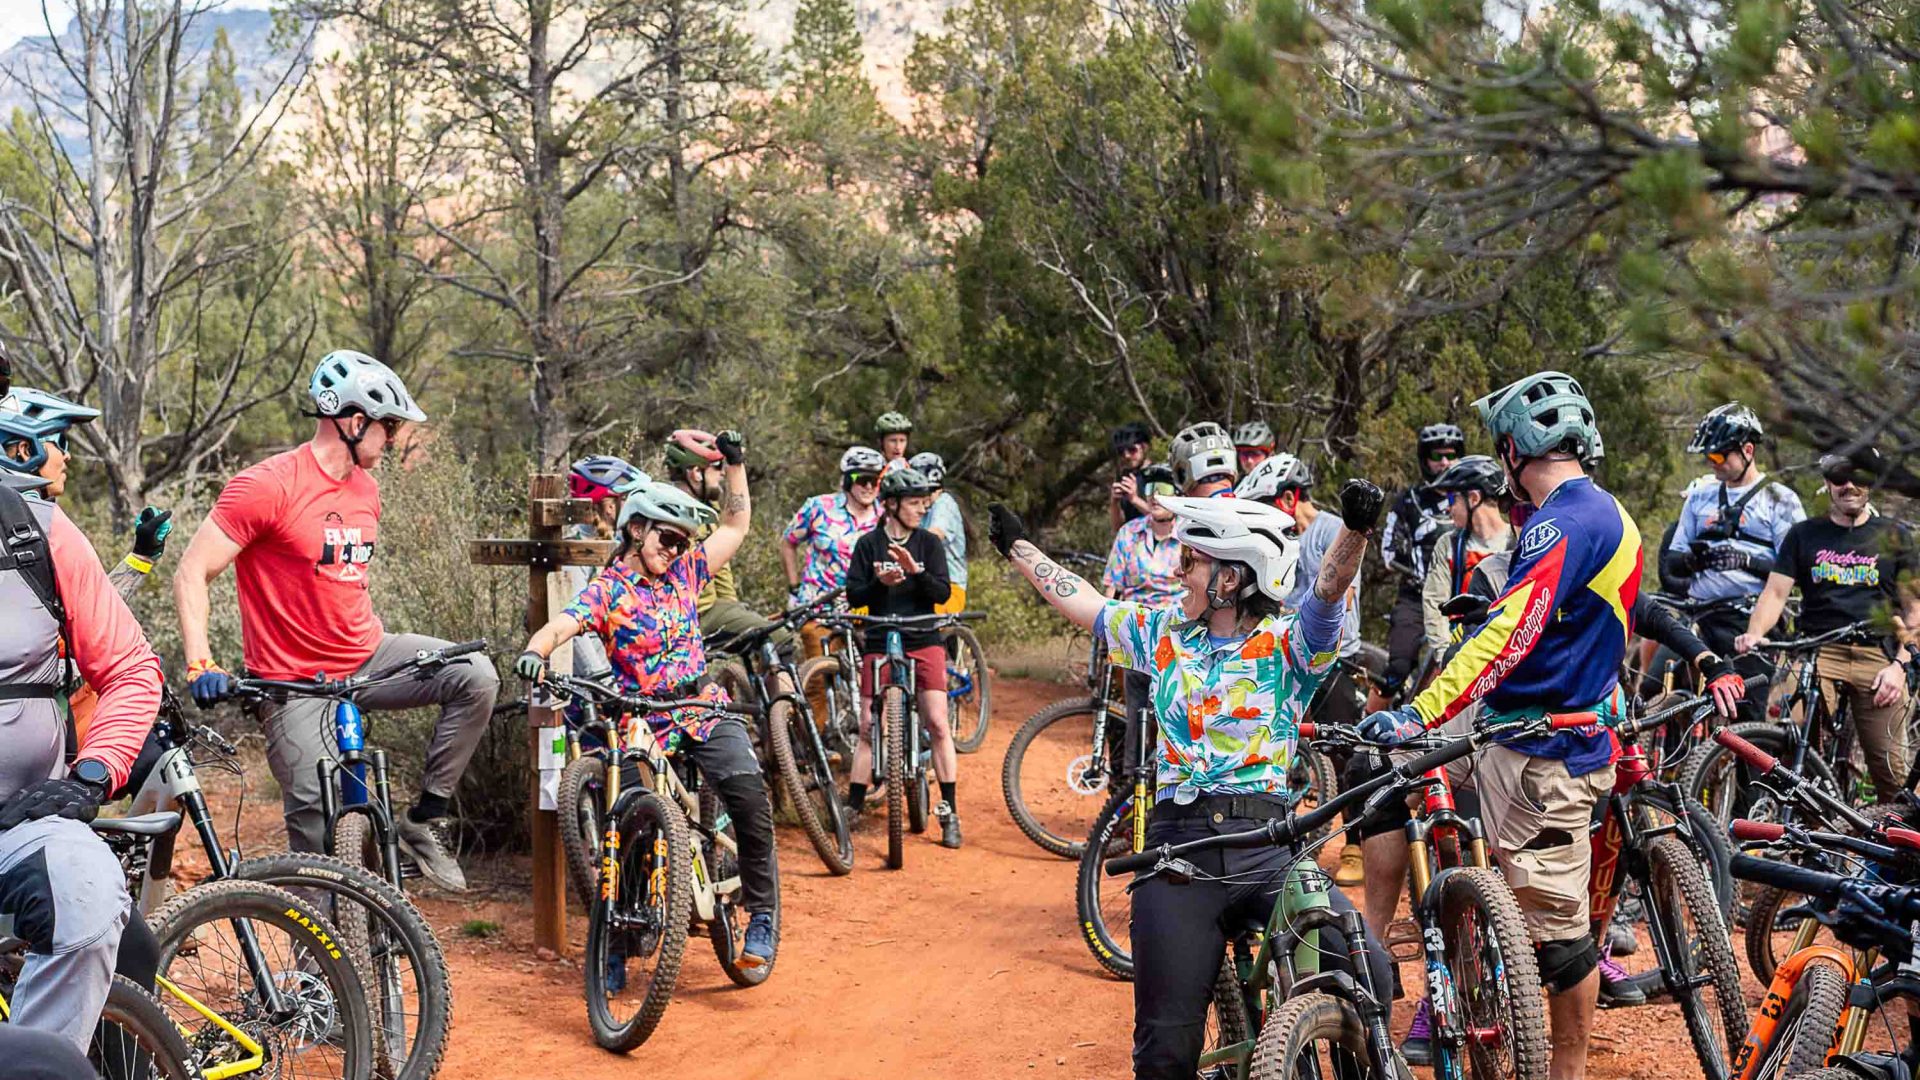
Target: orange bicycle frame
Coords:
[(1766, 1022)]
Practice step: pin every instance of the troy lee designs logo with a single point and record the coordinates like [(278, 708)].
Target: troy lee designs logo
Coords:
[(1516, 650), (345, 548)]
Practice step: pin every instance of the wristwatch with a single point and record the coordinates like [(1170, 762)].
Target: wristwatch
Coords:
[(93, 773)]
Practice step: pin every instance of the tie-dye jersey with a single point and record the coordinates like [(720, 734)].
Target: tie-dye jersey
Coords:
[(1229, 713), (652, 633), (1142, 567), (827, 526)]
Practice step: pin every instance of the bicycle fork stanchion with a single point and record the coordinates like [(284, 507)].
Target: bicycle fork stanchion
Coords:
[(383, 822)]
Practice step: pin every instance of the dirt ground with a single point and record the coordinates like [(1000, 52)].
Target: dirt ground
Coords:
[(964, 964)]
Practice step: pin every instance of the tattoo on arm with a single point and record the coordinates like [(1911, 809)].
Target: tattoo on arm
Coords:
[(1049, 577), (1341, 563), (736, 502)]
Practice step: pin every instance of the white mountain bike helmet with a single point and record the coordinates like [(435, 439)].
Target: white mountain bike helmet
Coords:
[(1241, 531), (347, 381), (1281, 472), (862, 459)]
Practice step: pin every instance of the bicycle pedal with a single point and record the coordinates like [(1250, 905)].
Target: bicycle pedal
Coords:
[(1403, 940)]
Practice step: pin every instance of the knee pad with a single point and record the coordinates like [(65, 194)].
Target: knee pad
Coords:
[(1564, 963)]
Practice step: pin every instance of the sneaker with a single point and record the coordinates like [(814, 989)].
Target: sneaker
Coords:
[(949, 825), (1352, 870), (1617, 988), (426, 844), (759, 948), (1621, 940), (1418, 1047)]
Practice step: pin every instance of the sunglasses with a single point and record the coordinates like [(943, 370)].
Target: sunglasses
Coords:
[(1444, 456), (1189, 559), (862, 479), (1840, 480), (1718, 457), (671, 542), (1155, 491)]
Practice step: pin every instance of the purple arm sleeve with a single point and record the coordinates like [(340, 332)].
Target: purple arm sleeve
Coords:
[(1320, 623)]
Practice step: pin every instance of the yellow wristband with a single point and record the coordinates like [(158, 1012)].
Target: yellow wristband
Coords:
[(144, 566)]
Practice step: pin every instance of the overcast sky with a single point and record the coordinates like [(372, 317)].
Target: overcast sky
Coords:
[(22, 18)]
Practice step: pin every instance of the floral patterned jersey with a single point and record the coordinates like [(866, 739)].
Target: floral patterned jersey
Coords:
[(1142, 567), (827, 526), (652, 633), (1229, 712)]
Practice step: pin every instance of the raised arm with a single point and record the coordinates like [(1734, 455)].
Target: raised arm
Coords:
[(736, 509), (1068, 592)]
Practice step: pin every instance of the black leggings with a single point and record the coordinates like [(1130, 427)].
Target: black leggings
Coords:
[(1180, 938)]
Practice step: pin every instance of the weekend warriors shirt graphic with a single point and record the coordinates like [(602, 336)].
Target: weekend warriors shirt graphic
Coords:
[(307, 543), (1846, 574)]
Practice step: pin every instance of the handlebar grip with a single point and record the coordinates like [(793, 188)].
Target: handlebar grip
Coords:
[(1746, 751), (1133, 863), (1787, 877), (972, 616), (464, 648), (1563, 721), (1309, 729), (1902, 838), (1437, 757), (1749, 831)]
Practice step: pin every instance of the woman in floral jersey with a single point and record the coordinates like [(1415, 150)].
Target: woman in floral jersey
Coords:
[(1232, 675)]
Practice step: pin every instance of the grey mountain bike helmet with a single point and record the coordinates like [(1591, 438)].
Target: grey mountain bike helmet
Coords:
[(904, 483), (1200, 451), (1254, 434), (930, 466), (1728, 427), (348, 382), (861, 459), (666, 505), (36, 417), (1281, 472), (1475, 472)]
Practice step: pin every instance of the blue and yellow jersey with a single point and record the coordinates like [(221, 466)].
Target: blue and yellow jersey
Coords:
[(1555, 638)]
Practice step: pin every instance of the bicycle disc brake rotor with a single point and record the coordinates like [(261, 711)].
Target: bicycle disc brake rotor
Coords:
[(1078, 779), (314, 1015)]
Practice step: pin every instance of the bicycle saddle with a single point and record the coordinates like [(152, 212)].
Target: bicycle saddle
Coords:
[(156, 824)]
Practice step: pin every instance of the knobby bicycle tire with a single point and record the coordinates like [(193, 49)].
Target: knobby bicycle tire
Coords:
[(1711, 765), (190, 925), (135, 1037), (582, 797), (1715, 1012), (838, 729), (1313, 775), (1303, 1023), (1799, 1045), (810, 786), (1501, 990), (979, 704), (400, 927), (1012, 786), (1707, 838), (727, 930), (894, 713), (1111, 835), (650, 828), (731, 673), (1227, 1020)]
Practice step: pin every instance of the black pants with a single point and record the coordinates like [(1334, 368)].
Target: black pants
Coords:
[(1718, 629), (1338, 702), (726, 763), (1405, 632), (1180, 938)]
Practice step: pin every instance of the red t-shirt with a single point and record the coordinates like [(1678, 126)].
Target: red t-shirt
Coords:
[(308, 543)]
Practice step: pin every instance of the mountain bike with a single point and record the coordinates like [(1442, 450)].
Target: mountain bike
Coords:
[(668, 863), (393, 949), (767, 688), (1303, 1022), (969, 687), (1058, 765), (134, 1039)]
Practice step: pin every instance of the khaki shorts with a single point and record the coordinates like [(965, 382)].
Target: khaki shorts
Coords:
[(1526, 805)]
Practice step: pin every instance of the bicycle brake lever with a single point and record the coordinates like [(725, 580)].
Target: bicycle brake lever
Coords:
[(1176, 870)]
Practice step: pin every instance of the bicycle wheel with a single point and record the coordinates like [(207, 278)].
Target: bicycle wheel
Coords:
[(808, 781), (1773, 930), (1318, 1035), (321, 1027), (1045, 778), (409, 995), (728, 928), (642, 925), (731, 673), (893, 701), (917, 786), (833, 713), (583, 791), (134, 1039), (1697, 961), (969, 689), (1494, 975), (1707, 838), (1312, 775), (1227, 1023), (1106, 912), (1805, 1031), (1725, 785)]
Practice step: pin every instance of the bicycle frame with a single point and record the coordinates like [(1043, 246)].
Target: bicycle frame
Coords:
[(893, 669), (1848, 1037), (1434, 826), (635, 740)]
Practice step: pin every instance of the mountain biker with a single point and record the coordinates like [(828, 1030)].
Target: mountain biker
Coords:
[(1730, 523), (827, 525), (1418, 517), (61, 887), (1849, 565), (901, 569), (1128, 443), (1252, 444), (1475, 488), (695, 466), (1143, 567), (1552, 643), (642, 607), (299, 529), (1285, 482), (1240, 671), (607, 481), (945, 521), (1203, 460), (893, 429)]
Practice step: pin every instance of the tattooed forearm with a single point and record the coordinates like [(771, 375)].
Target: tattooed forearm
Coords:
[(1341, 563), (1048, 576)]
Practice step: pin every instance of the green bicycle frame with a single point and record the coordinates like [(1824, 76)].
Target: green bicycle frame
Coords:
[(1303, 892)]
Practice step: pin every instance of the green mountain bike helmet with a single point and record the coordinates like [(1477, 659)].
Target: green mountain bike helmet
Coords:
[(893, 423), (667, 505), (1540, 414), (905, 482)]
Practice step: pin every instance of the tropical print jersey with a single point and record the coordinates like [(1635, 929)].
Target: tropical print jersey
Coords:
[(652, 634), (827, 526), (1229, 711), (1143, 568), (1555, 638)]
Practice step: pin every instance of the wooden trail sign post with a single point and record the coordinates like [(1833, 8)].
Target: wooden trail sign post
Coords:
[(549, 511)]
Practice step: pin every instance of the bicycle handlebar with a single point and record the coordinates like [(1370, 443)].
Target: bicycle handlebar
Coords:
[(247, 686), (570, 686), (1840, 633)]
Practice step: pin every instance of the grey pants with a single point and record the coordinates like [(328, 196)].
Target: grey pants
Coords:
[(64, 894), (300, 733)]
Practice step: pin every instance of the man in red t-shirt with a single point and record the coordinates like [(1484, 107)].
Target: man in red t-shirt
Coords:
[(300, 529)]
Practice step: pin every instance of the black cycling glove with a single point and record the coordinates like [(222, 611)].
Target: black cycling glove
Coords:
[(1004, 528), (1360, 503), (150, 532), (732, 446), (50, 798)]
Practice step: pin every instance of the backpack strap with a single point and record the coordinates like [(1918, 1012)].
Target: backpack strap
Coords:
[(24, 547)]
